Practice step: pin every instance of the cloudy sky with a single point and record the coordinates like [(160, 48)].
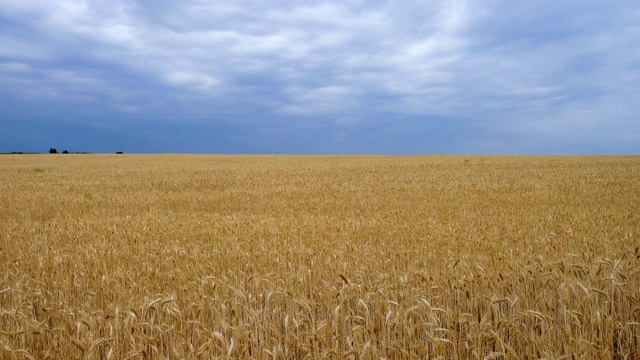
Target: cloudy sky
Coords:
[(320, 77)]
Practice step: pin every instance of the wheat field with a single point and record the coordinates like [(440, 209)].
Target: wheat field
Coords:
[(340, 257)]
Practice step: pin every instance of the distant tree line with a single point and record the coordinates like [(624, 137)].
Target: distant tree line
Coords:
[(55, 151), (51, 151)]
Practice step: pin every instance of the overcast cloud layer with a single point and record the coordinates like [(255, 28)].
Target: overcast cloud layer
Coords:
[(402, 77)]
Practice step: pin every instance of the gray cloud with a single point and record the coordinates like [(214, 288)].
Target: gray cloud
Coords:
[(329, 77)]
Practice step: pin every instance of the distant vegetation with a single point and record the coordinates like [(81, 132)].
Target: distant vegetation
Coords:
[(51, 151), (18, 153), (55, 151)]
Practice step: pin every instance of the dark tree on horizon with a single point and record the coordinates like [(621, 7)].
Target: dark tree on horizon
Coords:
[(53, 151)]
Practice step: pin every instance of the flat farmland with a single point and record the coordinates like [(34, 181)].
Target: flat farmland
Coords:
[(342, 257)]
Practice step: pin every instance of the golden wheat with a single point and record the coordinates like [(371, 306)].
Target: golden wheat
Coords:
[(288, 257)]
